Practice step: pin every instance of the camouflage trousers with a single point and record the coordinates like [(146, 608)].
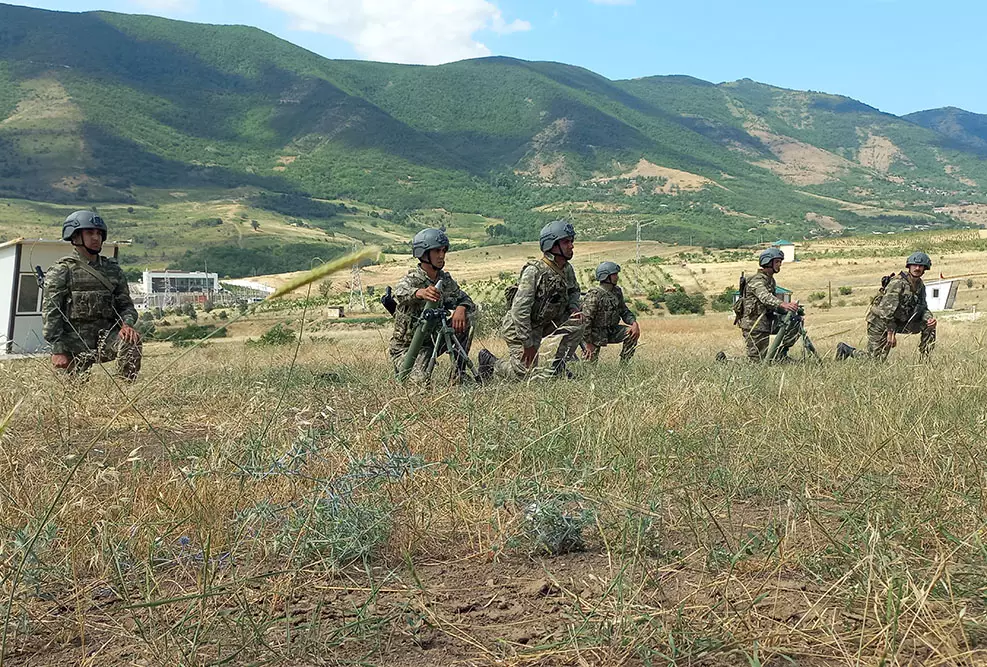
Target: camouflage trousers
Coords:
[(618, 334), (109, 346), (419, 372), (877, 338), (553, 351), (758, 342)]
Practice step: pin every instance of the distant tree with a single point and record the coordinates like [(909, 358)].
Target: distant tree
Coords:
[(255, 225), (325, 288)]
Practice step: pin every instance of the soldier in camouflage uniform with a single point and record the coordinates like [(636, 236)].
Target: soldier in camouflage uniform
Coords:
[(762, 307), (543, 312), (88, 314), (899, 308), (603, 309), (429, 247)]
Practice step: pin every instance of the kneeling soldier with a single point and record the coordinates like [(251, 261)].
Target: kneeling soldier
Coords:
[(761, 308), (900, 307), (88, 313), (545, 304), (429, 247), (603, 309)]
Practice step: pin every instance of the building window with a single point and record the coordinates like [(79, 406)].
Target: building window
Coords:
[(935, 292), (28, 295)]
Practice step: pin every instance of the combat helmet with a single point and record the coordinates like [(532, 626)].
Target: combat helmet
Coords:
[(554, 232), (606, 269), (919, 258), (770, 255), (82, 220), (428, 239)]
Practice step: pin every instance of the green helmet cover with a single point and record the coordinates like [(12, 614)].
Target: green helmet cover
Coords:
[(554, 232), (606, 269), (919, 258), (770, 255), (428, 239), (82, 220)]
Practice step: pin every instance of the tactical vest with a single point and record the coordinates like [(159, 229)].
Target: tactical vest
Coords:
[(90, 299)]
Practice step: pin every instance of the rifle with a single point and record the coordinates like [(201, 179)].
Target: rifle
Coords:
[(39, 275), (738, 308), (791, 320)]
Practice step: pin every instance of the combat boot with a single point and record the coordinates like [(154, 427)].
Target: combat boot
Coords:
[(485, 364), (844, 351), (559, 370)]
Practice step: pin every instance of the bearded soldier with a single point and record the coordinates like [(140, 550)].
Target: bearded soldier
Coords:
[(762, 309), (88, 314), (544, 305), (900, 307), (420, 285), (603, 309)]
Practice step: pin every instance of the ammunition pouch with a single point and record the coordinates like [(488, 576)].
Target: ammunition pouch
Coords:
[(96, 306)]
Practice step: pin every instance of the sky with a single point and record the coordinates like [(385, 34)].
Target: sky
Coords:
[(897, 55)]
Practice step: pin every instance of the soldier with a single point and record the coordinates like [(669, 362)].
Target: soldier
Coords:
[(545, 303), (88, 315), (429, 247), (899, 308), (761, 308), (603, 309)]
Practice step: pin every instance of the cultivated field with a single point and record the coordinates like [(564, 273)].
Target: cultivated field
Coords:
[(293, 505)]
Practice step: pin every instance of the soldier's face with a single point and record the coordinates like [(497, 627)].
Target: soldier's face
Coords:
[(776, 265), (92, 239), (565, 247), (916, 270), (613, 278), (438, 257)]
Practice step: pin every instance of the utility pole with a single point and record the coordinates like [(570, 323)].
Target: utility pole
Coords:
[(357, 297), (637, 272)]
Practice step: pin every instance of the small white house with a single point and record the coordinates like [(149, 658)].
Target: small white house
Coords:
[(21, 295), (787, 248), (941, 294)]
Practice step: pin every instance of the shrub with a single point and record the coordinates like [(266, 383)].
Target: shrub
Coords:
[(208, 306), (222, 315), (723, 301), (679, 302), (278, 335), (817, 296), (642, 306), (969, 282), (845, 291)]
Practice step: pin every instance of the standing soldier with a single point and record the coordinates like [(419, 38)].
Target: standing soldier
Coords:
[(603, 309), (429, 247), (544, 304), (88, 315), (900, 307), (761, 307)]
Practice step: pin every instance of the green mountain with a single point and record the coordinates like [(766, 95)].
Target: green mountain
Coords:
[(969, 130), (101, 106)]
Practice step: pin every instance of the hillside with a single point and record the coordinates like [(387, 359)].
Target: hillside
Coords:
[(145, 104), (968, 130)]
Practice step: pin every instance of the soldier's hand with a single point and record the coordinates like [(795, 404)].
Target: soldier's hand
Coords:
[(459, 322), (128, 334), (577, 315), (528, 356), (590, 349), (429, 294), (634, 332), (931, 323), (789, 307), (892, 339), (61, 361)]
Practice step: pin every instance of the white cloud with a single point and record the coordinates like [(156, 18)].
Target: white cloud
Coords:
[(612, 2), (425, 32), (181, 6)]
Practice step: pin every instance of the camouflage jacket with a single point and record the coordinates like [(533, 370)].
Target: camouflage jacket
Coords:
[(546, 297), (899, 303), (410, 307), (79, 307), (603, 308), (761, 304)]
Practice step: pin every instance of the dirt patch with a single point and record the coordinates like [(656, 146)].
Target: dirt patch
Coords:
[(581, 207), (793, 108), (974, 213), (46, 99), (543, 161), (671, 179), (800, 163), (826, 222), (879, 153), (287, 159)]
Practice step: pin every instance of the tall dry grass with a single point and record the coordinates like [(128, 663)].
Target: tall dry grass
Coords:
[(294, 505)]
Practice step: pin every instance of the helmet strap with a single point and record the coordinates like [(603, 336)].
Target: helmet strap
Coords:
[(94, 253)]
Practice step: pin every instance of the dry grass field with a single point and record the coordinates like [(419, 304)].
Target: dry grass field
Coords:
[(293, 505)]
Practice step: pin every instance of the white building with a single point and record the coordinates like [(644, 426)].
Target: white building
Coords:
[(941, 294), (20, 294), (169, 288)]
